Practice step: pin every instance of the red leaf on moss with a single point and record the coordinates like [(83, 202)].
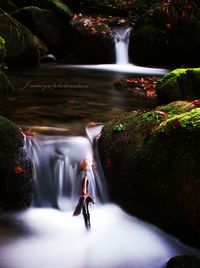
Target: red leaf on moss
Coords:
[(162, 114), (151, 92), (176, 124), (18, 170), (196, 102)]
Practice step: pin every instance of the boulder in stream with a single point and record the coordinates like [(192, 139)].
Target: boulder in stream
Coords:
[(15, 166), (45, 24), (152, 164), (168, 34), (21, 48), (180, 84), (91, 40)]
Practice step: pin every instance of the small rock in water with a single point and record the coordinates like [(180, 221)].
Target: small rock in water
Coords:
[(48, 58), (184, 261)]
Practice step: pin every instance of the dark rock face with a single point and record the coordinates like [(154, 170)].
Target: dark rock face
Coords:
[(167, 35), (16, 174), (180, 84), (45, 24), (151, 161), (20, 45), (184, 261), (5, 85), (7, 6), (26, 3), (90, 41)]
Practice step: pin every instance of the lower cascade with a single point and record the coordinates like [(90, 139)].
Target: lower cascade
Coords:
[(47, 234), (57, 167)]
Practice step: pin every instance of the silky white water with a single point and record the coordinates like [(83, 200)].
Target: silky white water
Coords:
[(122, 64), (44, 236), (121, 44), (54, 239)]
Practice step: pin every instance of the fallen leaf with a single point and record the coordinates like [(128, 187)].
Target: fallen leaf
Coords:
[(18, 170), (83, 164)]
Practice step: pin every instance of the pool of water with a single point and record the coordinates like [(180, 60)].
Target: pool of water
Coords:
[(67, 97)]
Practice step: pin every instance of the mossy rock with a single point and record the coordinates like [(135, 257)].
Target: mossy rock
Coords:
[(180, 84), (151, 161), (184, 261), (90, 40), (5, 85), (45, 24), (2, 49), (43, 49), (61, 10), (20, 44), (171, 30), (16, 177), (149, 43)]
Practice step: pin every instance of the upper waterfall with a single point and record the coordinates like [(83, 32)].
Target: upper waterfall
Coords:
[(121, 44)]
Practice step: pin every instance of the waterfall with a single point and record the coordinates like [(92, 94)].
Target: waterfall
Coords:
[(121, 44), (57, 172)]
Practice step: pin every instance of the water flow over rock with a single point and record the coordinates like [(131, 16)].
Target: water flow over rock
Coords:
[(121, 44), (57, 172)]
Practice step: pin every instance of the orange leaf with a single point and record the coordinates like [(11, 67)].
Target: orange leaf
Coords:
[(18, 170), (150, 92), (83, 164), (162, 114), (28, 132), (196, 102)]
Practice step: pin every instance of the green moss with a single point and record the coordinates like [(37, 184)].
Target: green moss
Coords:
[(176, 108), (158, 153), (60, 9), (179, 84), (2, 49)]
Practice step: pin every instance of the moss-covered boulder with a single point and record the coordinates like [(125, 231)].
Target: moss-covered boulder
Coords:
[(15, 181), (152, 164), (45, 24), (180, 84), (91, 40), (5, 85), (184, 261), (20, 44), (165, 35), (60, 9)]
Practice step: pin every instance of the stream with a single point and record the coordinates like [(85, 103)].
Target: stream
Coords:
[(47, 235), (66, 107)]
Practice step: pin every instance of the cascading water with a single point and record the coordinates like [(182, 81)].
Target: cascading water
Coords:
[(122, 65), (57, 172), (121, 44), (49, 237)]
